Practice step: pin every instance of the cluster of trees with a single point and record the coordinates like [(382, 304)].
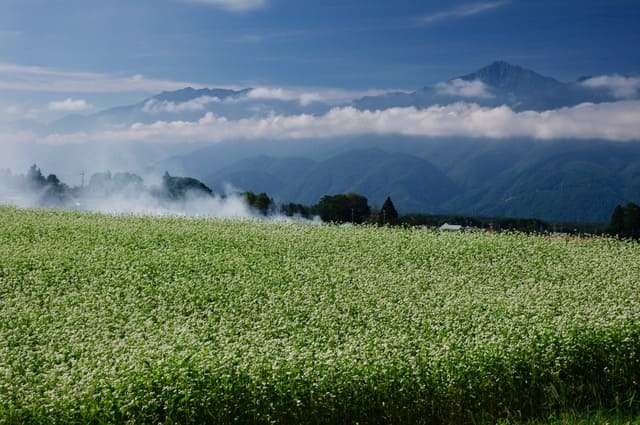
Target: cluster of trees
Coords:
[(354, 208), (625, 221), (341, 208), (51, 192), (51, 189), (177, 188), (47, 190), (348, 208), (260, 202)]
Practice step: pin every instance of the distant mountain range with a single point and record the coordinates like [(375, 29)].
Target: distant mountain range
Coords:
[(416, 184), (560, 181), (499, 83), (187, 104), (554, 180)]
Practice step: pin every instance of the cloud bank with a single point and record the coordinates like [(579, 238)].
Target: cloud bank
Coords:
[(620, 86), (154, 106), (284, 95), (70, 105), (617, 121), (463, 88), (306, 97)]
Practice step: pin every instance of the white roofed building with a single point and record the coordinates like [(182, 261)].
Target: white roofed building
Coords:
[(446, 227)]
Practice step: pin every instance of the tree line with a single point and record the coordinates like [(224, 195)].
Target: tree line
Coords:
[(338, 208), (354, 208)]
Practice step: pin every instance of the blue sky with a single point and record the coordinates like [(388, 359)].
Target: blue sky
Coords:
[(64, 57), (349, 44)]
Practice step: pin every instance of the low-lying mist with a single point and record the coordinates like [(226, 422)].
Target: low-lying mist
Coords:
[(127, 193)]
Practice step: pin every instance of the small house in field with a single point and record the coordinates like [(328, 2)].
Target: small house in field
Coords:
[(446, 227)]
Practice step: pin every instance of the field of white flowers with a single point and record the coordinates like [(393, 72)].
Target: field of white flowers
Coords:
[(167, 320)]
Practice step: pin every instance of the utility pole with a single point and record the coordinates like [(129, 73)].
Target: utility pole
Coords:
[(82, 175)]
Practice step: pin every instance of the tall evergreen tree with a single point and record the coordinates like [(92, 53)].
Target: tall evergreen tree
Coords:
[(388, 213), (35, 179)]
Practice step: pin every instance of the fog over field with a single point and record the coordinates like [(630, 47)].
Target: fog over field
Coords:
[(129, 194), (138, 203)]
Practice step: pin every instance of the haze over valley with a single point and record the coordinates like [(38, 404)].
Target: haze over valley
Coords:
[(501, 141)]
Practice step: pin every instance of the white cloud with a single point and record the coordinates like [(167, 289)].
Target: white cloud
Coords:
[(284, 95), (303, 96), (463, 88), (308, 96), (463, 11), (154, 106), (15, 77), (232, 5), (70, 105), (618, 121), (620, 86)]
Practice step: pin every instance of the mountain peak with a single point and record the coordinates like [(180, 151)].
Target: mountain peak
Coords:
[(503, 75), (503, 65)]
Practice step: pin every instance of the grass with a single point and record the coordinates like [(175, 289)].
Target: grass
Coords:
[(167, 320)]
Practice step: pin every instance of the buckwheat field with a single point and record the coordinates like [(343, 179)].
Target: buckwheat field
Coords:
[(168, 320)]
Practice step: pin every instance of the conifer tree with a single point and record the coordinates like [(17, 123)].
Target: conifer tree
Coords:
[(388, 213)]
